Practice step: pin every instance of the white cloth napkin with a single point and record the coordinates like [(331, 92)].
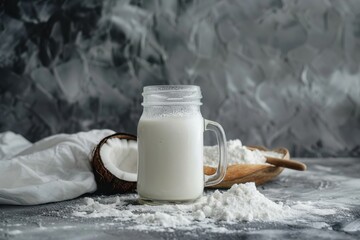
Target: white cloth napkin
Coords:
[(53, 169)]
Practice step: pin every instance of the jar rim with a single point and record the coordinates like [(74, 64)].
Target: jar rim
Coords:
[(171, 95), (167, 88)]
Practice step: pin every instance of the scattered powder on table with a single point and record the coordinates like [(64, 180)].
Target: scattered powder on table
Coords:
[(237, 154), (242, 202)]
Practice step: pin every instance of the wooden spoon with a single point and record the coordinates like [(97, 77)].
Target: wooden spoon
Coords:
[(286, 163), (258, 173), (282, 162)]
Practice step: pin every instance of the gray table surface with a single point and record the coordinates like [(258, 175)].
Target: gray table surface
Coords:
[(334, 182)]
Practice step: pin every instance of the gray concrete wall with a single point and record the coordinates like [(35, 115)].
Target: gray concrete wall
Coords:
[(273, 73)]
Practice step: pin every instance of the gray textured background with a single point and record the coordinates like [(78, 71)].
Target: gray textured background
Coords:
[(274, 73)]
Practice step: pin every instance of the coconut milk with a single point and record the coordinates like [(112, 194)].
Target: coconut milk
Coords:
[(171, 158)]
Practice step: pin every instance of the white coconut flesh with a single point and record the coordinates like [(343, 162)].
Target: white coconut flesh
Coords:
[(120, 157)]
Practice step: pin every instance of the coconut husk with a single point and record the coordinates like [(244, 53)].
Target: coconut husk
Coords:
[(106, 182)]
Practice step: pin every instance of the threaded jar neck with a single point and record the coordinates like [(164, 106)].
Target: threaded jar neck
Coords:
[(167, 95)]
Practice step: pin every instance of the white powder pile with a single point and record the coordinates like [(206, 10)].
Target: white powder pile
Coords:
[(237, 154), (243, 202)]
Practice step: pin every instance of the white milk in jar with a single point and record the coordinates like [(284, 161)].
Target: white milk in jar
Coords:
[(172, 166)]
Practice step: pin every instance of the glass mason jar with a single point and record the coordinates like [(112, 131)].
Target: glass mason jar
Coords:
[(170, 145)]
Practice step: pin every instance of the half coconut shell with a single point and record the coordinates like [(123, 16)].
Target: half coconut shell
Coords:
[(106, 182)]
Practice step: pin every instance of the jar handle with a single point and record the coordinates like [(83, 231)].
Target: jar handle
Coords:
[(219, 175)]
